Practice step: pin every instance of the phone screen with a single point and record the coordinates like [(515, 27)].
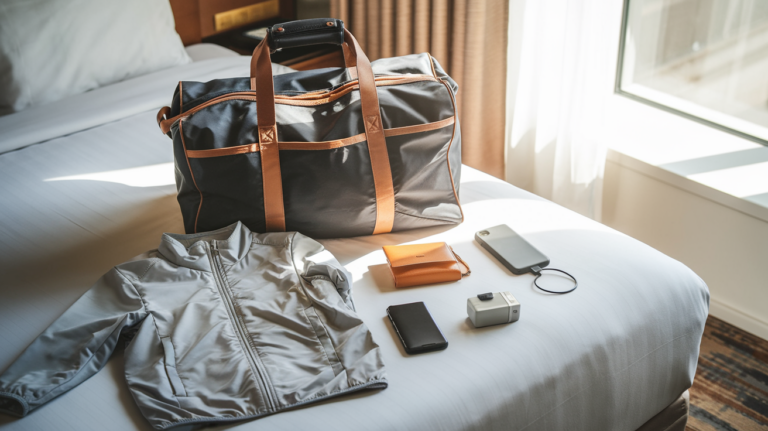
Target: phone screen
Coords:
[(512, 250)]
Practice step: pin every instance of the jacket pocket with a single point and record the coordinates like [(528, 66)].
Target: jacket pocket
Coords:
[(170, 368), (325, 340)]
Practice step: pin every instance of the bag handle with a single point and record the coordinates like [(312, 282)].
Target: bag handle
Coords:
[(308, 32), (262, 82)]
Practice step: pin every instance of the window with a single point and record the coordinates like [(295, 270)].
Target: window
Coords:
[(702, 59)]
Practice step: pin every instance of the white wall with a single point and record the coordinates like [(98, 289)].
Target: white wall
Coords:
[(726, 247)]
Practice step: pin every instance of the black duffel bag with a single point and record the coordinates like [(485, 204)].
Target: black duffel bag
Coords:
[(365, 149)]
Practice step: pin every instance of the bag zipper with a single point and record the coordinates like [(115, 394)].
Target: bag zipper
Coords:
[(306, 99), (253, 357)]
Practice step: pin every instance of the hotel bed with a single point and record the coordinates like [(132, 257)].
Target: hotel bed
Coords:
[(87, 182)]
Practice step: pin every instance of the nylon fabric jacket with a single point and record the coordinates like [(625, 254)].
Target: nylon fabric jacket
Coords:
[(223, 325)]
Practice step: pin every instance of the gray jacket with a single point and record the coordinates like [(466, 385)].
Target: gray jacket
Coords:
[(224, 325)]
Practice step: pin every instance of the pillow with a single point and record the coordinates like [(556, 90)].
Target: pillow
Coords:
[(51, 49)]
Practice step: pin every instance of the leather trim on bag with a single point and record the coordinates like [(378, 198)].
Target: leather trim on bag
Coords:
[(432, 63), (218, 152), (181, 99), (162, 114), (349, 61), (307, 99), (272, 179), (426, 127), (377, 144), (181, 132), (319, 98), (448, 153), (322, 145)]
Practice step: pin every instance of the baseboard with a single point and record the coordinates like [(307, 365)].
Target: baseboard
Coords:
[(738, 318)]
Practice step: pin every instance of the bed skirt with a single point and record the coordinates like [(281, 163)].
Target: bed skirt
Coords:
[(672, 418)]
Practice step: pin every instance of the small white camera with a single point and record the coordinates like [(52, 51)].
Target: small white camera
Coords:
[(489, 309)]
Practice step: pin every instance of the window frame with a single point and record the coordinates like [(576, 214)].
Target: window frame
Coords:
[(618, 90)]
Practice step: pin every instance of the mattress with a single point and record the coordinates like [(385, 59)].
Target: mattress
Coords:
[(87, 183)]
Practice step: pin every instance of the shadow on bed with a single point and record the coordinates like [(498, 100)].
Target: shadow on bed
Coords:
[(116, 367), (51, 260), (61, 264), (347, 250), (382, 277), (475, 191)]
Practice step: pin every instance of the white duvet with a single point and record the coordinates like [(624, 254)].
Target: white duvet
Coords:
[(87, 182)]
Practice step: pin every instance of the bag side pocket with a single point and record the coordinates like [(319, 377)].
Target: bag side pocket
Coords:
[(170, 368)]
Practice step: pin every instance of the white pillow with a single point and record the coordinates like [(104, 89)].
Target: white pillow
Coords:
[(50, 49)]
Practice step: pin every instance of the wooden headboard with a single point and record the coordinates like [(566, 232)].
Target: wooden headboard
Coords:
[(194, 18)]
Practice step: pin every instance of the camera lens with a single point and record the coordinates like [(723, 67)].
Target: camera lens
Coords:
[(483, 233)]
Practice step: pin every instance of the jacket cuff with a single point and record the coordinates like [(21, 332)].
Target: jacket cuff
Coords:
[(13, 404)]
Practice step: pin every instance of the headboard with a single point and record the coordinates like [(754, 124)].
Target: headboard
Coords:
[(195, 18)]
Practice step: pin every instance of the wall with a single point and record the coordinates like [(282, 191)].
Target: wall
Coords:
[(727, 248)]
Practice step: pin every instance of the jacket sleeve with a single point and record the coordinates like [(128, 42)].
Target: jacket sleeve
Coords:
[(313, 261), (74, 347)]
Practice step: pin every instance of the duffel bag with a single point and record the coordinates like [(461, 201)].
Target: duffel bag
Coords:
[(364, 149)]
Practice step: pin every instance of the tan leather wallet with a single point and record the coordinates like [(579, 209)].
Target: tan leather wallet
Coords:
[(417, 264)]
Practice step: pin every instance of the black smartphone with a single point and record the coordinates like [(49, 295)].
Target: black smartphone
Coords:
[(512, 250), (416, 329)]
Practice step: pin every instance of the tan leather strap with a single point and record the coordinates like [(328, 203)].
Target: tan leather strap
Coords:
[(272, 179), (349, 61), (463, 267), (377, 144), (262, 82), (162, 114)]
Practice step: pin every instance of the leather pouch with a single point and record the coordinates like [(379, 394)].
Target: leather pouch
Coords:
[(417, 264)]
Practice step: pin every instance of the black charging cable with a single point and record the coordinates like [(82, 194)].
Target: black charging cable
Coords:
[(535, 270)]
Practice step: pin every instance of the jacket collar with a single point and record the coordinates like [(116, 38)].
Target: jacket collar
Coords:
[(191, 251)]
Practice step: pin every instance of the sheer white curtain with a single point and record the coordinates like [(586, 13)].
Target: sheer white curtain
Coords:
[(561, 70)]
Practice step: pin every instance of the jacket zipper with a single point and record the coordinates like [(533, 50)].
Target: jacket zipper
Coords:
[(256, 365)]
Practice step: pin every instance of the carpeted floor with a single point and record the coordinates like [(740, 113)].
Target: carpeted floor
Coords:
[(730, 390)]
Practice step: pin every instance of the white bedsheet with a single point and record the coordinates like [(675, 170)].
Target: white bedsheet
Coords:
[(98, 189)]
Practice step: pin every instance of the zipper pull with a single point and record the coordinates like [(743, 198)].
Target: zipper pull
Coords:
[(214, 247)]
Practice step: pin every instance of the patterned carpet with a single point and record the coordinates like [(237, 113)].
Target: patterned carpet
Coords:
[(730, 390)]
